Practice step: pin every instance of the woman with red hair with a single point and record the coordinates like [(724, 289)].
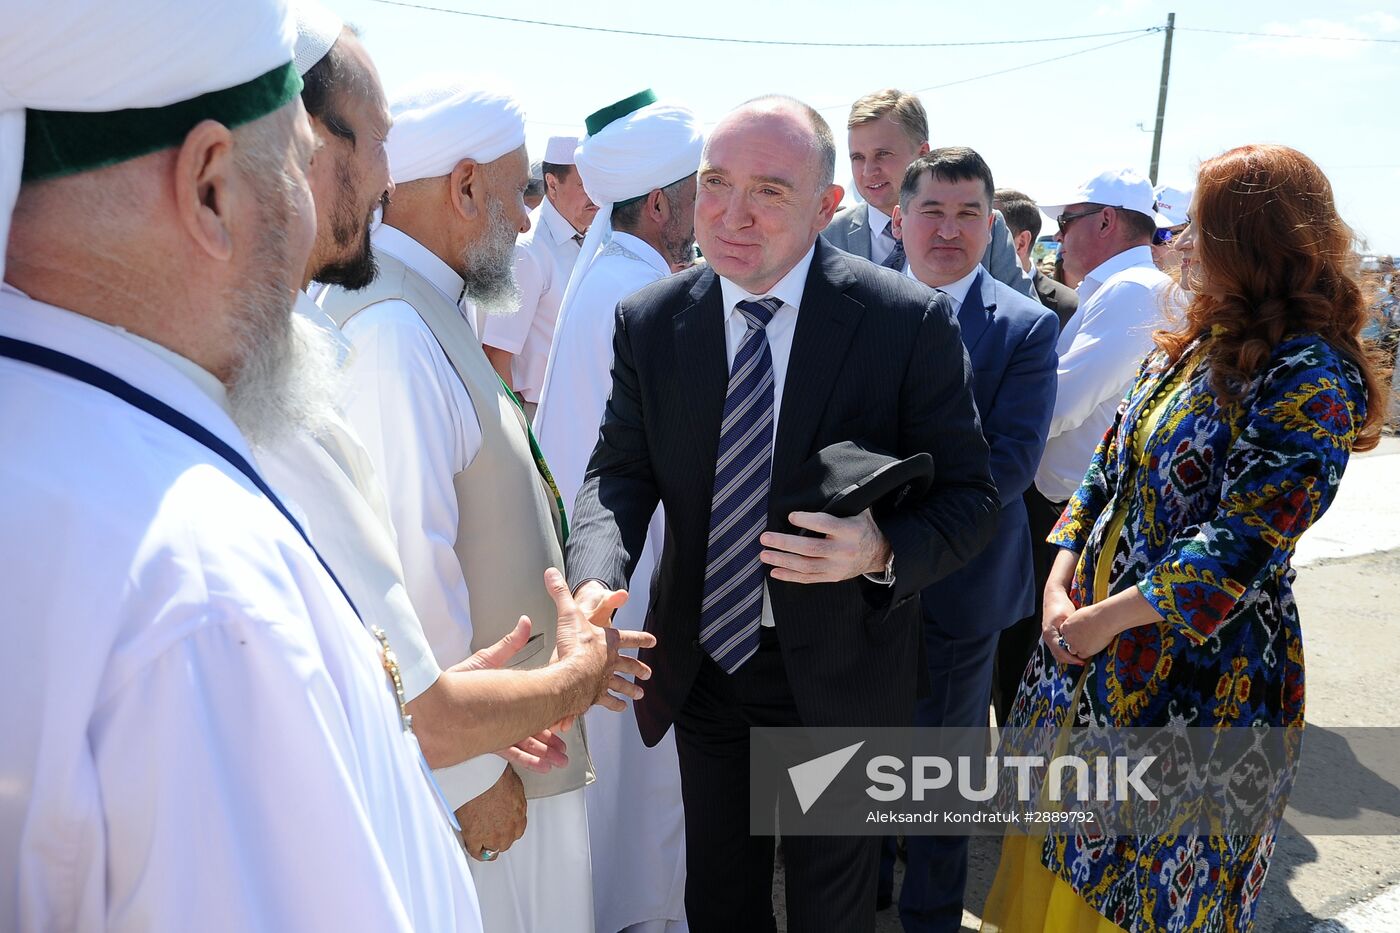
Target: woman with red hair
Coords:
[(1171, 602)]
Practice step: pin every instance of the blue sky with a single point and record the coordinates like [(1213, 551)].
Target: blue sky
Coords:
[(1042, 128)]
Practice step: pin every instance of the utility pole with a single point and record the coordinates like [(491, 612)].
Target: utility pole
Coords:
[(1162, 98)]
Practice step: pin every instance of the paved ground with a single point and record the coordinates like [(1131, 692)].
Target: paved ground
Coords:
[(1348, 591)]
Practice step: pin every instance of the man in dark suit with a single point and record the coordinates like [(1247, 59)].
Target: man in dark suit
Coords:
[(1018, 641), (886, 130), (1023, 220), (945, 217), (780, 346)]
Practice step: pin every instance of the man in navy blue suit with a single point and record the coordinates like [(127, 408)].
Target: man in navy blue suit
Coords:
[(945, 219)]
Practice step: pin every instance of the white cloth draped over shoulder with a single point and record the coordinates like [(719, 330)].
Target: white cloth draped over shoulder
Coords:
[(329, 480), (198, 731), (636, 824), (97, 56), (646, 149)]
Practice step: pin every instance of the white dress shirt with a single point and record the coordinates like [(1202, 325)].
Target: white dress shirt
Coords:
[(219, 750), (544, 259), (1120, 303), (880, 245), (956, 291)]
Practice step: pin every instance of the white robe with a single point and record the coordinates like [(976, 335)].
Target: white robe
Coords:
[(636, 823), (329, 483), (198, 734), (420, 428)]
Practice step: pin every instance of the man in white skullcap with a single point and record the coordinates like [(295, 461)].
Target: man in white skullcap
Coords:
[(638, 163), (517, 344), (477, 517), (328, 475), (199, 732)]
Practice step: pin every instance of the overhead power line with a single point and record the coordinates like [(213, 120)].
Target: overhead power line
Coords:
[(1276, 35), (1135, 33)]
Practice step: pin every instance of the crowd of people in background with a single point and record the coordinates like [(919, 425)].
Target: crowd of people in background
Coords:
[(400, 535)]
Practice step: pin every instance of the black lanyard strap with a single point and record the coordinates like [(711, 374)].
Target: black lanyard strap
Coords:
[(98, 378)]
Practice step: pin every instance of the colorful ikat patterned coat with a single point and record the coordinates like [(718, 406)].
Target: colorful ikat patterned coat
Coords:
[(1207, 523)]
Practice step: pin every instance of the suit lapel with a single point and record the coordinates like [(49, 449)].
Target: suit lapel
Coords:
[(859, 239), (700, 360), (826, 323), (977, 310)]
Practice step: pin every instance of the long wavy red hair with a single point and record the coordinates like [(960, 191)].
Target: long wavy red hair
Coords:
[(1275, 260)]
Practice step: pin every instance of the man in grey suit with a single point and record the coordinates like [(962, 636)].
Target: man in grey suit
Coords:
[(886, 131)]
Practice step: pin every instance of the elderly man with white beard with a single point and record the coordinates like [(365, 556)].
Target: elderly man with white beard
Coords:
[(198, 732), (477, 516), (327, 475), (638, 164)]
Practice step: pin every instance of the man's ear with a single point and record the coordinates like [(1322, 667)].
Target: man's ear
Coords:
[(207, 185), (897, 223), (467, 189), (657, 206), (830, 202), (1023, 239)]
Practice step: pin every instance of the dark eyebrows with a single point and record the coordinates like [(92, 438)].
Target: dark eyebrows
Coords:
[(934, 202)]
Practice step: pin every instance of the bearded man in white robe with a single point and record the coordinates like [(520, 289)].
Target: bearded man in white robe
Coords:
[(327, 476), (638, 164), (475, 509), (199, 734)]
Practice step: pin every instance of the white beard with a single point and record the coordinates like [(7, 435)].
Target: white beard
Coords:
[(287, 385)]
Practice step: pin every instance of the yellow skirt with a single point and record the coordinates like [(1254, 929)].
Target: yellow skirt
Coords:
[(1027, 897)]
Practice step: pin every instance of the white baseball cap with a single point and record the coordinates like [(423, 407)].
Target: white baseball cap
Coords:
[(1172, 203), (1123, 188)]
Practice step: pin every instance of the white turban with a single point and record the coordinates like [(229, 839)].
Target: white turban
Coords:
[(627, 155), (97, 56), (317, 31), (438, 126)]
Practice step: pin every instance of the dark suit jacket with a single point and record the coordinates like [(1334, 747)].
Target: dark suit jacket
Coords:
[(1011, 342), (876, 357), (1056, 296)]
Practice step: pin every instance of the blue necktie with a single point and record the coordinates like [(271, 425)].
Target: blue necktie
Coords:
[(732, 605)]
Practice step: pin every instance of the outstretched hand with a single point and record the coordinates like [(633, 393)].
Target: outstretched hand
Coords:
[(585, 639)]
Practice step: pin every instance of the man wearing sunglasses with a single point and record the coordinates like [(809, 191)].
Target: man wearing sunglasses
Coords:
[(1106, 227), (1171, 207)]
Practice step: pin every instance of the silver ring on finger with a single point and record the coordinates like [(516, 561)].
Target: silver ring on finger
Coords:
[(1060, 640), (489, 855)]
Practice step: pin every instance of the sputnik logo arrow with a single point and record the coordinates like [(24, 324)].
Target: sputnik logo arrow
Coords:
[(811, 778)]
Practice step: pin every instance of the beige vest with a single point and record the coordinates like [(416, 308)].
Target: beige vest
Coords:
[(508, 530)]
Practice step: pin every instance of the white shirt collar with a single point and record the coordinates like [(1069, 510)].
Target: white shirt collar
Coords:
[(643, 250), (418, 258), (1128, 259), (879, 220), (788, 290), (957, 290), (560, 230)]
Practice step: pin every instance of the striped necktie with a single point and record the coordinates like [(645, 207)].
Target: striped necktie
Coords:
[(732, 605), (895, 260)]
